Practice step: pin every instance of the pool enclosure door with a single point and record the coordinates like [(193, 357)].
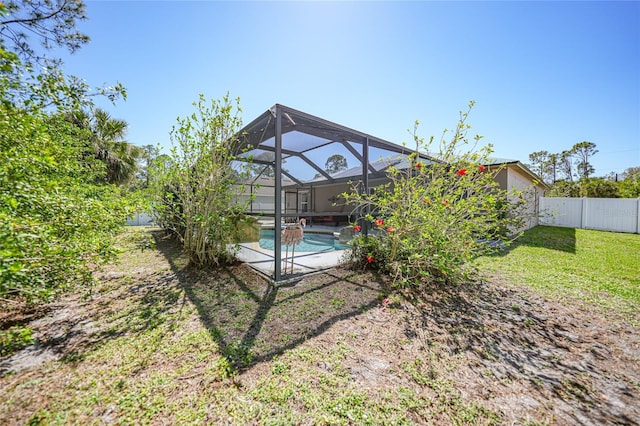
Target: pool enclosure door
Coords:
[(304, 201), (290, 204), (297, 202)]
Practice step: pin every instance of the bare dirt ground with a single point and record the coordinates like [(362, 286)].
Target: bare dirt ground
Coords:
[(534, 361)]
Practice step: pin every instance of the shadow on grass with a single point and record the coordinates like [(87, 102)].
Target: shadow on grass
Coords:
[(511, 338), (136, 309), (548, 237), (252, 320)]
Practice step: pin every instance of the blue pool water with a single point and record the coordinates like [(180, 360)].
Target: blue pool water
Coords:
[(311, 242)]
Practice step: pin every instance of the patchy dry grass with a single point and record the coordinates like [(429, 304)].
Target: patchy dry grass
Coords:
[(158, 342)]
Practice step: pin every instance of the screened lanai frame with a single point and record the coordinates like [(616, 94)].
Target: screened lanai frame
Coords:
[(303, 141)]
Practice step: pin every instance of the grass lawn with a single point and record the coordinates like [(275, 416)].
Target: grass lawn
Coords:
[(586, 266), (158, 342)]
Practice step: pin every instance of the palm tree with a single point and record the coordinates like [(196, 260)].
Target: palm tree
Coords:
[(109, 145)]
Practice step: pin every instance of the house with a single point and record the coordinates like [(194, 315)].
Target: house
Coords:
[(319, 201), (513, 175), (289, 151)]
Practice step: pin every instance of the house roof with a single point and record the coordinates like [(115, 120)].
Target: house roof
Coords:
[(518, 165)]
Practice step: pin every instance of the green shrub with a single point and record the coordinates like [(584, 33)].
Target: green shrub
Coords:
[(194, 190), (56, 225), (434, 216), (15, 338)]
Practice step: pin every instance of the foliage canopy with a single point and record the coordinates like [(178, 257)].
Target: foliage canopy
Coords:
[(195, 192), (432, 218), (56, 221)]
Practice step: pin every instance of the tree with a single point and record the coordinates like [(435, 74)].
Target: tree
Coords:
[(582, 151), (539, 163), (564, 188), (32, 80), (631, 173), (630, 184), (546, 165), (566, 164), (554, 166), (599, 188), (107, 140), (431, 219), (335, 164), (56, 224), (614, 185), (52, 22), (195, 196), (148, 154), (263, 164), (260, 166)]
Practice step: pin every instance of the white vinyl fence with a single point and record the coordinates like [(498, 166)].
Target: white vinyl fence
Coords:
[(605, 214), (140, 219)]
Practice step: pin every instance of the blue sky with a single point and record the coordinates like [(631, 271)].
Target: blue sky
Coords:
[(544, 75)]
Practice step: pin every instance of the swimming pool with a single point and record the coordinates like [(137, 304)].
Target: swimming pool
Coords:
[(312, 242)]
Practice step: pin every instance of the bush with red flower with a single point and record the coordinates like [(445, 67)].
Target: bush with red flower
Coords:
[(432, 218)]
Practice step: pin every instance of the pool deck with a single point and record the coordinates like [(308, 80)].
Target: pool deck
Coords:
[(263, 260)]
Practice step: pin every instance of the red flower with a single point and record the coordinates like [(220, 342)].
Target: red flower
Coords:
[(386, 301), (482, 168), (418, 166), (357, 228), (445, 202), (461, 172), (384, 309), (391, 229), (370, 259), (379, 222)]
